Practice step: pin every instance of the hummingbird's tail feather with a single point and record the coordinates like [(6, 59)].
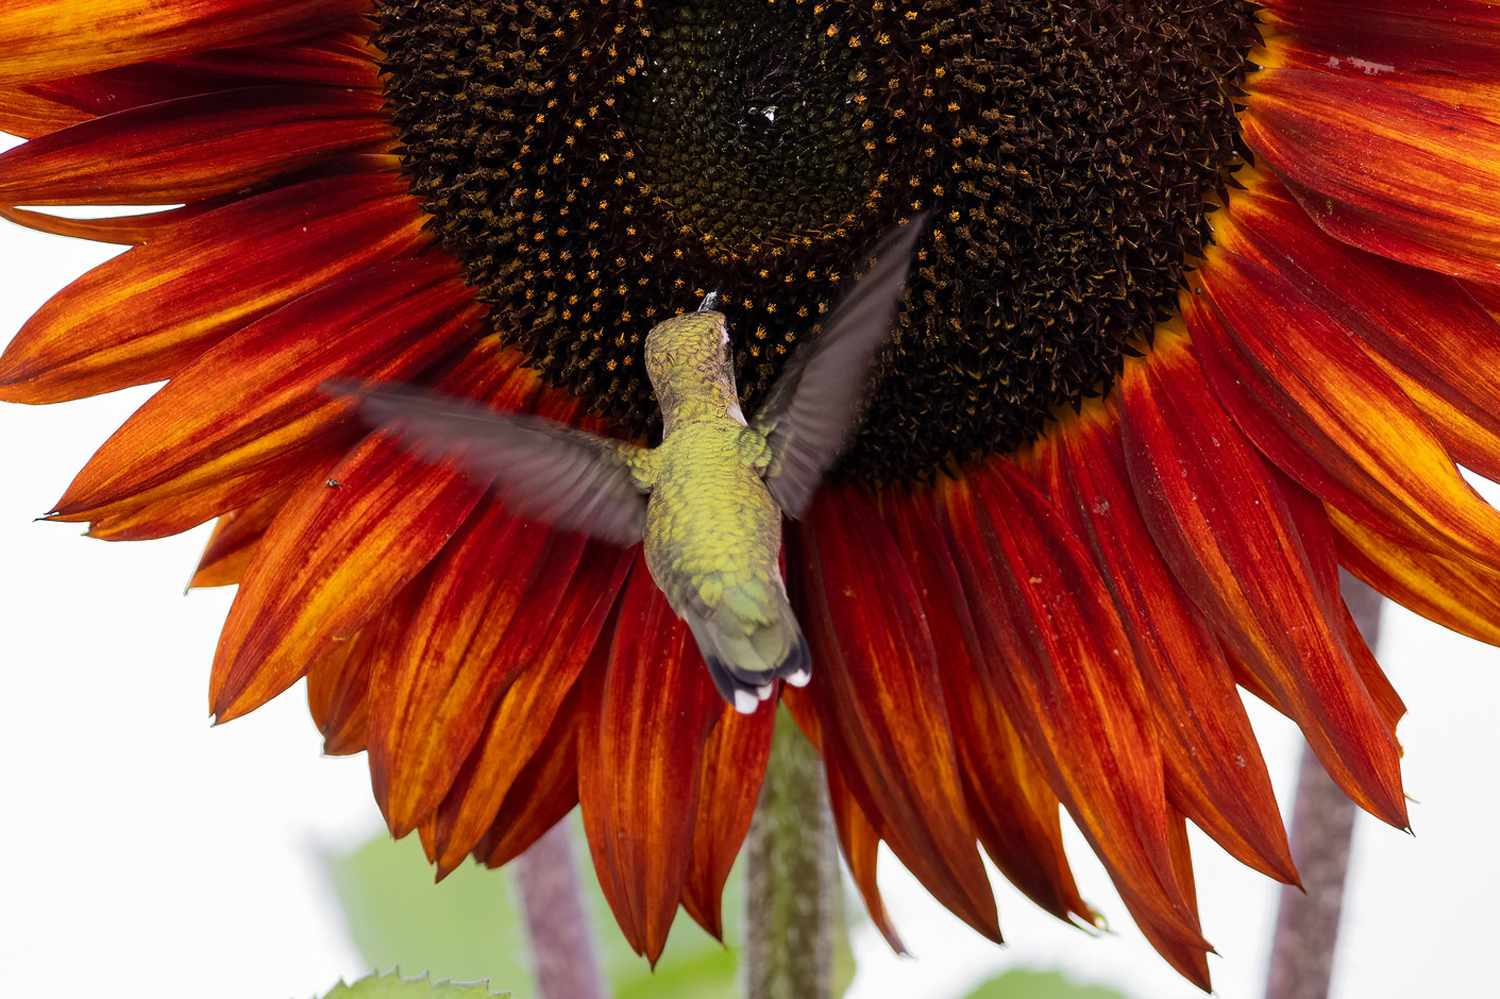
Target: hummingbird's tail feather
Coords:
[(746, 654)]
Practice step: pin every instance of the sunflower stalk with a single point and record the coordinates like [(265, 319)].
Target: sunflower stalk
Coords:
[(564, 951), (1307, 922), (791, 876)]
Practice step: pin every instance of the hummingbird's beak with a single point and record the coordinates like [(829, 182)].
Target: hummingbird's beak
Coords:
[(710, 301)]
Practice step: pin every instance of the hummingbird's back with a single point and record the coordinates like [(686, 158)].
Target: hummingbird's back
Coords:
[(713, 531)]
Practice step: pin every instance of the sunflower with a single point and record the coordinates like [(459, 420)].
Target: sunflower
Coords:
[(1207, 309)]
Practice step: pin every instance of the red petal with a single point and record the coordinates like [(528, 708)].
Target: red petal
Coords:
[(1384, 169), (1214, 769), (1439, 345), (124, 230), (1221, 524), (460, 654), (195, 147), (879, 697), (144, 315), (1278, 339), (1053, 650), (640, 749), (561, 638), (734, 766), (861, 846), (340, 551), (1016, 814), (46, 39), (544, 792), (255, 397)]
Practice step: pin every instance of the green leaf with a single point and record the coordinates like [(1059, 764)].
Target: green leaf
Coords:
[(1039, 985), (393, 986), (469, 927)]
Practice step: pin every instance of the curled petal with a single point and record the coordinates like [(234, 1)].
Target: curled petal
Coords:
[(1054, 651), (879, 697), (1224, 529), (1384, 169), (195, 147), (341, 550), (123, 230), (144, 315), (255, 397), (640, 746), (46, 39)]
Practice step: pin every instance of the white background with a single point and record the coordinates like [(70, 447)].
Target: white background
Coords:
[(139, 843)]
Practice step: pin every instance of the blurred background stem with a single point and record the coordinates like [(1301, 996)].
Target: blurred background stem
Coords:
[(1307, 925), (563, 948), (791, 876)]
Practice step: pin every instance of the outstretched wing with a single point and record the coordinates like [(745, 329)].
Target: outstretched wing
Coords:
[(810, 413), (541, 469)]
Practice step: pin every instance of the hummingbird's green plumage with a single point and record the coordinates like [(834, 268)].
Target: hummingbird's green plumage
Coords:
[(708, 501)]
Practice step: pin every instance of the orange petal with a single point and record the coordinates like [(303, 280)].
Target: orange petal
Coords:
[(27, 114), (1382, 168), (1215, 773), (1281, 359), (341, 550), (1438, 344), (879, 697), (194, 147), (734, 767), (256, 397), (230, 547), (640, 749), (560, 638), (167, 515), (143, 316), (1016, 814), (1458, 595), (1222, 526), (544, 793), (1053, 650), (338, 679), (459, 656), (45, 39)]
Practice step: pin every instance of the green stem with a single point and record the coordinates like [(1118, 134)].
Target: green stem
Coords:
[(792, 876)]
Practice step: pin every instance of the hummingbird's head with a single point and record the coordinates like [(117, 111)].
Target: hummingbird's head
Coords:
[(689, 356)]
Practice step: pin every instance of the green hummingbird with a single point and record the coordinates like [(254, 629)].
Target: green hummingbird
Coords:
[(707, 502)]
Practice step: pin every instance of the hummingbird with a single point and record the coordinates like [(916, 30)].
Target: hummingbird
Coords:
[(707, 502)]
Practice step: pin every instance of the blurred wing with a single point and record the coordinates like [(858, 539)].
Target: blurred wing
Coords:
[(809, 416), (541, 469)]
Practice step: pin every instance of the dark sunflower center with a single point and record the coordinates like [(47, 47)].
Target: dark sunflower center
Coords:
[(599, 167)]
